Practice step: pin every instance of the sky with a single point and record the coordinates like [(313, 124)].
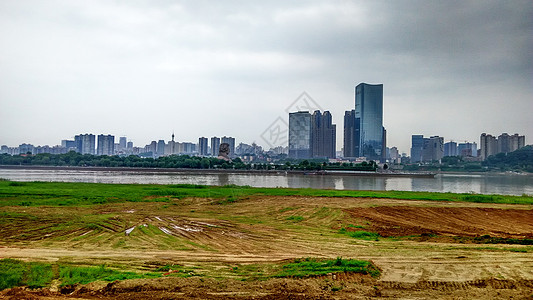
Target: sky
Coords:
[(146, 69)]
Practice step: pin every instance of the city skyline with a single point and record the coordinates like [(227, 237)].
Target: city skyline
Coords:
[(144, 70)]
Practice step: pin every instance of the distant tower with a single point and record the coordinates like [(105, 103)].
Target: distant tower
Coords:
[(369, 112)]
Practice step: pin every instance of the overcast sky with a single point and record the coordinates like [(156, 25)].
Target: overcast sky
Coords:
[(144, 69)]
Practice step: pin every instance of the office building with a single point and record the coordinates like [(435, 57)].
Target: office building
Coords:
[(351, 134), (215, 146), (433, 149), (106, 145), (231, 142), (300, 135), (85, 143), (323, 135), (426, 149), (417, 146), (369, 112), (202, 146)]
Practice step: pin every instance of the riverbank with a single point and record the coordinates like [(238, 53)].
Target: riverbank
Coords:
[(220, 242), (224, 171)]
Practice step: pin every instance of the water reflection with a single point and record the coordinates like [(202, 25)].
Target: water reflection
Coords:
[(457, 183)]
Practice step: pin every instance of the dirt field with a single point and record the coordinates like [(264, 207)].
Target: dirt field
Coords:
[(418, 255)]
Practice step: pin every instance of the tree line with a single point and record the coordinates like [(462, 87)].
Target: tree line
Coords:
[(174, 161)]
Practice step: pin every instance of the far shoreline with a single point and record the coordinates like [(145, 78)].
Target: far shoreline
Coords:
[(257, 172)]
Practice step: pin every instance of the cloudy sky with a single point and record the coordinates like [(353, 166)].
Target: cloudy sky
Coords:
[(144, 69)]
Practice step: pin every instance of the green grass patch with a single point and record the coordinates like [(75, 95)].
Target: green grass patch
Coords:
[(360, 234), (75, 193), (295, 218), (70, 275), (310, 267), (18, 273)]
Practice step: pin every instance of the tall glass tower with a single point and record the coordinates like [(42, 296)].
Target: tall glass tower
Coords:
[(369, 111), (300, 143)]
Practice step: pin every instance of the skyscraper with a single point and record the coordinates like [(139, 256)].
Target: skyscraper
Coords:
[(300, 135), (215, 146), (106, 145), (417, 145), (369, 111), (350, 135), (323, 135), (202, 146)]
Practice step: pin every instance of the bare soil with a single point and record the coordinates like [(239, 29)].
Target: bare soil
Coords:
[(454, 221), (211, 239)]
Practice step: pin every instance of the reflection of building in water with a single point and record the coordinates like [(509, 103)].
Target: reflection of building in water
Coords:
[(398, 183), (363, 183), (223, 179)]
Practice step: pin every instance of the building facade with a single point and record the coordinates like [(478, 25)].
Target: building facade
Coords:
[(300, 135), (450, 149), (323, 135), (85, 143), (202, 146), (106, 145), (215, 146), (505, 143), (369, 114), (351, 134)]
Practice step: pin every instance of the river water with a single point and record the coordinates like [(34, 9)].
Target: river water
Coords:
[(505, 184)]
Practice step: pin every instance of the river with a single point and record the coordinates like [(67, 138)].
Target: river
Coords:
[(505, 184)]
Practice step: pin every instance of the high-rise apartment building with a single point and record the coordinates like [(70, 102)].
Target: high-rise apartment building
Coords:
[(369, 112), (160, 148), (351, 134), (106, 145), (323, 135), (300, 135), (122, 143), (215, 146), (231, 142), (85, 143), (202, 146), (490, 145)]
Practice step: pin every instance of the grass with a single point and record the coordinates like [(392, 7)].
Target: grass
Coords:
[(16, 273), (310, 267), (360, 234), (36, 275), (70, 275), (75, 194)]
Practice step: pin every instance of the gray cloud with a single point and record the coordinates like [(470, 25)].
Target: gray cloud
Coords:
[(143, 69)]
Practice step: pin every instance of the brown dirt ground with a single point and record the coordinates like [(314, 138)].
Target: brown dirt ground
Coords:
[(410, 270), (456, 221)]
